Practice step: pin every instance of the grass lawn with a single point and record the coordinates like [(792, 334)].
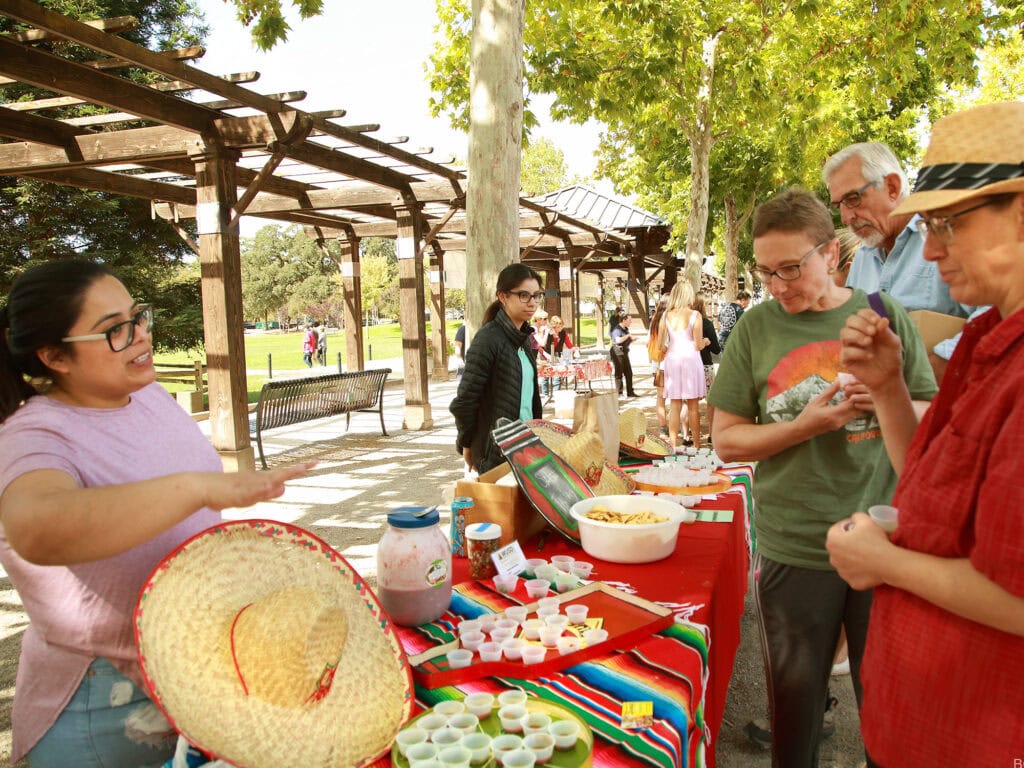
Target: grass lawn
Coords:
[(285, 351)]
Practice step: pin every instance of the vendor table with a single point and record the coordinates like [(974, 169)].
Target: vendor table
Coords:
[(683, 670), (583, 371)]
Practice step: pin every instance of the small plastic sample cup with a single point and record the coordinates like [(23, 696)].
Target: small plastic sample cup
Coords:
[(479, 745), (549, 602), (410, 737), (513, 648), (479, 704), (518, 758), (546, 572), (506, 582), (460, 658), (886, 517), (507, 742), (595, 636), (582, 569), (455, 757), (537, 587), (536, 722), (430, 762), (510, 623), (511, 717), (565, 733), (500, 634), (568, 644), (449, 708), (531, 566), (557, 620), (432, 721), (563, 562), (534, 654), (576, 614), (487, 622), (469, 625), (564, 581), (471, 640), (517, 613), (465, 722), (549, 635), (541, 744), (547, 610), (512, 697), (422, 751), (446, 737), (531, 628), (488, 652)]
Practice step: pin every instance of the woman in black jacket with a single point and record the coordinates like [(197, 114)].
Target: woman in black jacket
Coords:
[(501, 369)]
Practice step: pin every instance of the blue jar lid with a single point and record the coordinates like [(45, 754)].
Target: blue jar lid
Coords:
[(404, 517)]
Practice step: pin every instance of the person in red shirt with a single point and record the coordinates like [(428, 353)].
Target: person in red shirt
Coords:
[(943, 672)]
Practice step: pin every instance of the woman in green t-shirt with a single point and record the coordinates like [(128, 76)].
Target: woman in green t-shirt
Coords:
[(779, 401)]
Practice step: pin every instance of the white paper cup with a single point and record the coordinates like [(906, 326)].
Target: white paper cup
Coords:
[(576, 614), (446, 737), (479, 704), (541, 744), (505, 583), (512, 697), (469, 625), (431, 722), (409, 737), (557, 620), (465, 722), (531, 566), (449, 708), (500, 634), (549, 635), (507, 742), (886, 517), (471, 640), (543, 611), (537, 587), (460, 658), (546, 572), (563, 562), (565, 733), (455, 757), (595, 636), (582, 569), (564, 581), (531, 628), (508, 623), (549, 602), (535, 722), (511, 717)]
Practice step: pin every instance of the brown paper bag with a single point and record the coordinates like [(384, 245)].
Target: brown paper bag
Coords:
[(599, 412)]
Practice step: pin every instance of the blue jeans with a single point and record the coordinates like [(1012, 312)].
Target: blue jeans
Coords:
[(90, 733)]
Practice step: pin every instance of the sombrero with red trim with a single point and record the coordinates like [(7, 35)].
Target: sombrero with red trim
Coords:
[(264, 648)]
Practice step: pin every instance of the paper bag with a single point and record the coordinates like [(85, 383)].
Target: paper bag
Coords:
[(935, 327), (599, 412)]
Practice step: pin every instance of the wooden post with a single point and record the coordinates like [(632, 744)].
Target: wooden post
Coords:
[(411, 316), (439, 331), (221, 268), (352, 304), (566, 300), (495, 146)]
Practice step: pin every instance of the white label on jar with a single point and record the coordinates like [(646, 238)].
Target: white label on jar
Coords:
[(437, 573)]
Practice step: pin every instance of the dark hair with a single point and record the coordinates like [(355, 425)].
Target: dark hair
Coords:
[(742, 295), (511, 276), (659, 311), (795, 210), (44, 302)]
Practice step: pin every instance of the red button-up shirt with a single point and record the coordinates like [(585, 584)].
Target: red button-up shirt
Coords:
[(940, 689)]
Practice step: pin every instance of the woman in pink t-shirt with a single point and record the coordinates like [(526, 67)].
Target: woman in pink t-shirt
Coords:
[(101, 475)]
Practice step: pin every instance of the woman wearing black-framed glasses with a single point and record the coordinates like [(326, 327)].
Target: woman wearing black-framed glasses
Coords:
[(101, 475), (500, 378)]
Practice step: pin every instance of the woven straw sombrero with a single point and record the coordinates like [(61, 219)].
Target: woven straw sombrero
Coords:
[(584, 452), (971, 154), (263, 647), (635, 441)]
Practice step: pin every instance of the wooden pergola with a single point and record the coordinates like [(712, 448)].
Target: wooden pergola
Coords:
[(205, 147)]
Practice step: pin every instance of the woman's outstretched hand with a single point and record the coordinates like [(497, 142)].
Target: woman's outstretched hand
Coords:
[(243, 489)]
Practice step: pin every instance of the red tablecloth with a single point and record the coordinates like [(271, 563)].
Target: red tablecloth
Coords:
[(684, 670), (586, 370)]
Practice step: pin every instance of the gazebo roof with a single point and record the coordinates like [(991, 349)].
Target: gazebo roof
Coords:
[(605, 211)]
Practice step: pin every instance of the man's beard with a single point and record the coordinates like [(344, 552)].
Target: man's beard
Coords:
[(872, 239)]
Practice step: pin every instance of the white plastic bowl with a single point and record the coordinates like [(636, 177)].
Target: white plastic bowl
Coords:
[(623, 542)]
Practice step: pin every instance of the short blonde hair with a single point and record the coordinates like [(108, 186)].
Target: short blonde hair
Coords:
[(555, 320)]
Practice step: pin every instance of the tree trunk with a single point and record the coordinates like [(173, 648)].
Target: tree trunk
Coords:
[(732, 249), (495, 144), (701, 142)]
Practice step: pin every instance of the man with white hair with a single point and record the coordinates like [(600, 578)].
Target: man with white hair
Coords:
[(866, 184)]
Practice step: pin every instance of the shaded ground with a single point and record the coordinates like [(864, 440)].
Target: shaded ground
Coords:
[(345, 500)]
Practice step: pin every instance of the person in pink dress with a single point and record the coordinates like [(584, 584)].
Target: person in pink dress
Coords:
[(684, 370)]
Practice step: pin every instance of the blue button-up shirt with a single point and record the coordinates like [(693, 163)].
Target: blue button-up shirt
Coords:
[(904, 274)]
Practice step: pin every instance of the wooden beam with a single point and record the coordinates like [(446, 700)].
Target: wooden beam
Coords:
[(137, 145), (357, 168), (21, 126), (120, 184), (178, 54), (111, 26), (44, 70)]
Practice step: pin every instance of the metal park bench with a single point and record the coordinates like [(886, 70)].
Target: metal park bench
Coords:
[(291, 401)]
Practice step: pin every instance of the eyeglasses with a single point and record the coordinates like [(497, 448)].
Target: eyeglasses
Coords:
[(942, 226), (788, 272), (526, 297), (121, 335), (852, 199)]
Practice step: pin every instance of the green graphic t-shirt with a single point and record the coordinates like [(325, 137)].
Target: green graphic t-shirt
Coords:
[(774, 365)]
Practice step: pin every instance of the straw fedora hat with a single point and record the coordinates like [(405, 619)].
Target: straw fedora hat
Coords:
[(634, 439), (263, 647), (971, 154), (584, 452)]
